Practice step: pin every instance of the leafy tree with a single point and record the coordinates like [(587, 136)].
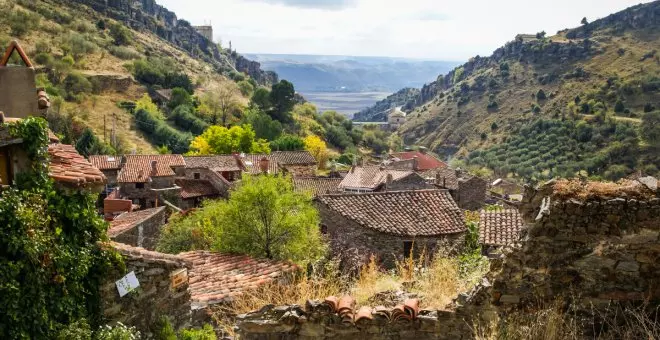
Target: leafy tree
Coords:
[(316, 146), (263, 217), (76, 84), (395, 143), (261, 99), (282, 96), (540, 35), (163, 150), (650, 129), (245, 87), (264, 126), (221, 105), (618, 106), (584, 21), (120, 34), (22, 22), (288, 143), (180, 97), (376, 140), (101, 25), (185, 119), (217, 140), (145, 103), (89, 144), (493, 126)]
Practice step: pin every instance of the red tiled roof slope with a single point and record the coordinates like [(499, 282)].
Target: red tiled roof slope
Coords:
[(251, 162), (294, 157), (316, 185), (371, 177), (105, 162), (424, 161), (138, 167), (500, 227), (191, 188), (217, 277), (128, 220), (215, 163), (404, 213), (67, 166)]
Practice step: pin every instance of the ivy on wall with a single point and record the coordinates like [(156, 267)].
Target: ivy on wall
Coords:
[(51, 264)]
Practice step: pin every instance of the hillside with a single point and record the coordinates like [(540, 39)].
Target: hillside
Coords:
[(544, 106), (378, 112), (72, 40), (320, 73)]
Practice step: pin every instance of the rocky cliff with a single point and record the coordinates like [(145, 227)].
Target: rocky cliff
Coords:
[(147, 15)]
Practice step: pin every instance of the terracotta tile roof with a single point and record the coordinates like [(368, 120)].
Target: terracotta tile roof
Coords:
[(105, 162), (67, 166), (251, 162), (138, 167), (129, 220), (371, 177), (316, 185), (191, 188), (424, 161), (404, 213), (344, 307), (446, 177), (294, 157), (139, 253), (499, 228), (215, 163), (217, 277)]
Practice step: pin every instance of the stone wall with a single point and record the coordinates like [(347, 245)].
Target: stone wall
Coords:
[(411, 182), (156, 295), (592, 251), (218, 183), (158, 189), (471, 193), (355, 244), (145, 233), (300, 170)]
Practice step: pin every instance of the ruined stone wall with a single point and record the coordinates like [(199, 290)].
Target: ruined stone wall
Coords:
[(147, 197), (355, 244), (156, 295), (145, 234), (300, 170), (471, 194), (589, 252)]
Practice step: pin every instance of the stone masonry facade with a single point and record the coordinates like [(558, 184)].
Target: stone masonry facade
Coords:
[(592, 251), (355, 244), (144, 233)]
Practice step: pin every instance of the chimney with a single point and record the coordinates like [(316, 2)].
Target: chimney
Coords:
[(437, 178), (388, 181), (415, 163), (264, 164), (154, 167), (122, 162)]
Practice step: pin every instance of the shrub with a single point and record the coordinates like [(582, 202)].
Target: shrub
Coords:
[(236, 76), (648, 107), (125, 53), (162, 134), (536, 108), (483, 136), (246, 88), (185, 119), (287, 143), (120, 34), (22, 22), (44, 59), (179, 97), (78, 330), (493, 126), (118, 332), (205, 333), (164, 330), (101, 25), (78, 45), (76, 84), (540, 95), (619, 107)]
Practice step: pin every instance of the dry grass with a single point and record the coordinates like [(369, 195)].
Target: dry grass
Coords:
[(573, 188)]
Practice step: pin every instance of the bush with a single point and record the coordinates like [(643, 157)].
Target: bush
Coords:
[(78, 45), (161, 71), (164, 330), (101, 25), (22, 22), (120, 34), (179, 97), (205, 333), (162, 134), (76, 84), (78, 330), (185, 119), (540, 95), (44, 59), (619, 107), (246, 88), (125, 53), (287, 143), (118, 332)]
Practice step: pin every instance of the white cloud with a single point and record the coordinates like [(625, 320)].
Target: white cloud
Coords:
[(429, 29)]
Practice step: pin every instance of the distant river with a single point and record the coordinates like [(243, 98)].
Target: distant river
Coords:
[(347, 103)]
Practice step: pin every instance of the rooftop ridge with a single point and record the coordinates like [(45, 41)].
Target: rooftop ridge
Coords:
[(374, 193)]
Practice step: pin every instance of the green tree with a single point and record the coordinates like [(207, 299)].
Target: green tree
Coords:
[(287, 143), (584, 21), (218, 140), (89, 144), (180, 97), (540, 95), (120, 34), (282, 96), (261, 99), (245, 87), (263, 217), (619, 107), (264, 126), (650, 129)]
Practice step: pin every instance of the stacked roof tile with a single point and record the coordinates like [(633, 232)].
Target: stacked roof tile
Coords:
[(500, 227), (371, 178), (403, 213), (217, 277), (138, 168), (316, 185), (191, 188), (294, 158), (105, 162), (129, 220), (424, 161), (132, 252), (68, 167), (344, 307), (215, 163)]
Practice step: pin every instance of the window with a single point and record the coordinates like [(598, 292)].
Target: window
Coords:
[(196, 175), (407, 248), (139, 185), (324, 229)]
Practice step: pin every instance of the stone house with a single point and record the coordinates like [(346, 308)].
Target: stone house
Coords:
[(390, 225), (230, 167), (139, 228), (471, 193), (148, 179), (109, 165), (396, 118), (194, 191), (499, 228), (370, 179), (296, 163)]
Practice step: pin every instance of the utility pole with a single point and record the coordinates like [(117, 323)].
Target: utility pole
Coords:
[(104, 139), (113, 137)]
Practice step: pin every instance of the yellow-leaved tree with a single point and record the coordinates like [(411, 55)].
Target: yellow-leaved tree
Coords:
[(316, 146)]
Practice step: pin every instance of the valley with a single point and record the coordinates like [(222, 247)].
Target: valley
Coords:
[(346, 103)]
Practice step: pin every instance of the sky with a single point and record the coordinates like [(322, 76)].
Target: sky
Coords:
[(425, 29)]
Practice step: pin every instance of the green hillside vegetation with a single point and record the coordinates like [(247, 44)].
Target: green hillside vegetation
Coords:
[(93, 66), (570, 104), (378, 112)]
